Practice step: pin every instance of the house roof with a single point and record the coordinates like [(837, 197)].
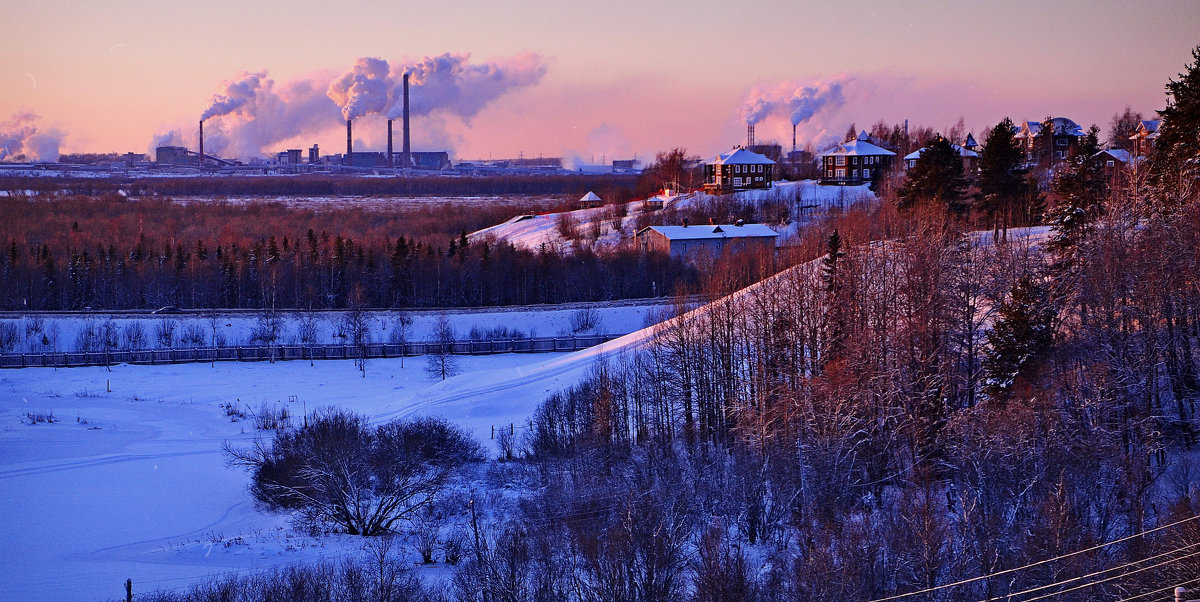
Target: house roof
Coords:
[(1148, 127), (1062, 127), (713, 232), (970, 143), (740, 156), (1118, 154), (857, 148), (590, 196), (961, 151)]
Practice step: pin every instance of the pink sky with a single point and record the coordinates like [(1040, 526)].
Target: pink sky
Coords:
[(620, 77)]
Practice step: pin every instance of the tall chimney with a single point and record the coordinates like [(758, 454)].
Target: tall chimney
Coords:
[(390, 162), (349, 142), (793, 137), (406, 158), (749, 135), (201, 143)]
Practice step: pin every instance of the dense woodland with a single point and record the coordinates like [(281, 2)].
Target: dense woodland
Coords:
[(115, 253)]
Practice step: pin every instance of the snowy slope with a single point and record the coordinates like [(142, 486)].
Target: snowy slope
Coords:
[(807, 199)]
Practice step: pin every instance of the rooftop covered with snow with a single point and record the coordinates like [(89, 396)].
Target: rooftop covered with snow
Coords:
[(740, 156), (713, 232)]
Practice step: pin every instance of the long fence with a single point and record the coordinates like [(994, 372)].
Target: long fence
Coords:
[(298, 352)]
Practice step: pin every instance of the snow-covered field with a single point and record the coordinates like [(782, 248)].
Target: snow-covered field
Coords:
[(61, 332), (130, 481)]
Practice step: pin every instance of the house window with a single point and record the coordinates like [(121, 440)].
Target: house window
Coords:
[(1111, 164), (841, 160), (1060, 142), (737, 181), (841, 173), (866, 173)]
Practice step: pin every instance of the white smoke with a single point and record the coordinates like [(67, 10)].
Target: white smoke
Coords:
[(252, 111), (235, 94), (23, 136), (796, 101), (452, 84), (363, 90)]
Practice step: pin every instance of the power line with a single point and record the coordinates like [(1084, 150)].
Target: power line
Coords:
[(1033, 564), (1087, 585), (1158, 591), (1089, 575)]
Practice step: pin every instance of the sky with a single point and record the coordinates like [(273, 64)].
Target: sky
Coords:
[(583, 80)]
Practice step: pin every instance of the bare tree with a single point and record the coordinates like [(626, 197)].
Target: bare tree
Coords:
[(440, 361)]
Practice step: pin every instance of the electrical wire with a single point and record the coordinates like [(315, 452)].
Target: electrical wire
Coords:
[(1090, 575), (1169, 588), (1105, 580), (1033, 564)]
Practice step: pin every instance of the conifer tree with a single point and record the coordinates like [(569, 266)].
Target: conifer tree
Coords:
[(1175, 171), (1000, 185), (1024, 329), (937, 176), (1080, 186)]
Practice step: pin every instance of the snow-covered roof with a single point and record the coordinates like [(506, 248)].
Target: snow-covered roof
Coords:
[(740, 156), (590, 196), (970, 143), (1118, 154), (961, 151), (1149, 128), (713, 232), (858, 148), (1062, 127)]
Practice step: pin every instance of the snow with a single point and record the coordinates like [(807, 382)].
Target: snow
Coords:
[(713, 232), (808, 199), (740, 156), (961, 151), (237, 327), (131, 482), (858, 148)]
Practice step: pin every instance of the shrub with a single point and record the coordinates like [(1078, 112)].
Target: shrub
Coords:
[(339, 470)]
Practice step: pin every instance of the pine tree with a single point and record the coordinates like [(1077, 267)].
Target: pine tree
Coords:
[(937, 176), (1000, 185), (1175, 171), (1081, 189), (1023, 330)]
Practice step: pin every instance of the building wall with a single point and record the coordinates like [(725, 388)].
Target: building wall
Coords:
[(854, 169)]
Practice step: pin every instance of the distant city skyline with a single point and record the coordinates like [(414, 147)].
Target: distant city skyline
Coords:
[(593, 80)]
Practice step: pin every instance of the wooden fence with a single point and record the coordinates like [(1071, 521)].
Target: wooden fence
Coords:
[(297, 352)]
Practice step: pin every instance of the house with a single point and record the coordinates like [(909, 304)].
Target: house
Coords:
[(590, 201), (707, 241), (1040, 150), (970, 158), (738, 169), (1117, 164), (855, 162), (1145, 137)]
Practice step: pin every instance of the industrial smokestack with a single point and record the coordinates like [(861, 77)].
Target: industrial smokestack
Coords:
[(749, 135), (349, 141), (793, 137), (390, 162), (201, 143), (407, 156)]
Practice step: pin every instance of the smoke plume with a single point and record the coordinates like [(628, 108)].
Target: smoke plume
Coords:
[(252, 112), (451, 83), (363, 90), (235, 94), (795, 101), (22, 136)]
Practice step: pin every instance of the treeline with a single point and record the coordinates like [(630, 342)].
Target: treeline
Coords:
[(114, 253), (617, 187)]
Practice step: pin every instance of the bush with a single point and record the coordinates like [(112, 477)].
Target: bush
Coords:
[(339, 470), (383, 579)]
